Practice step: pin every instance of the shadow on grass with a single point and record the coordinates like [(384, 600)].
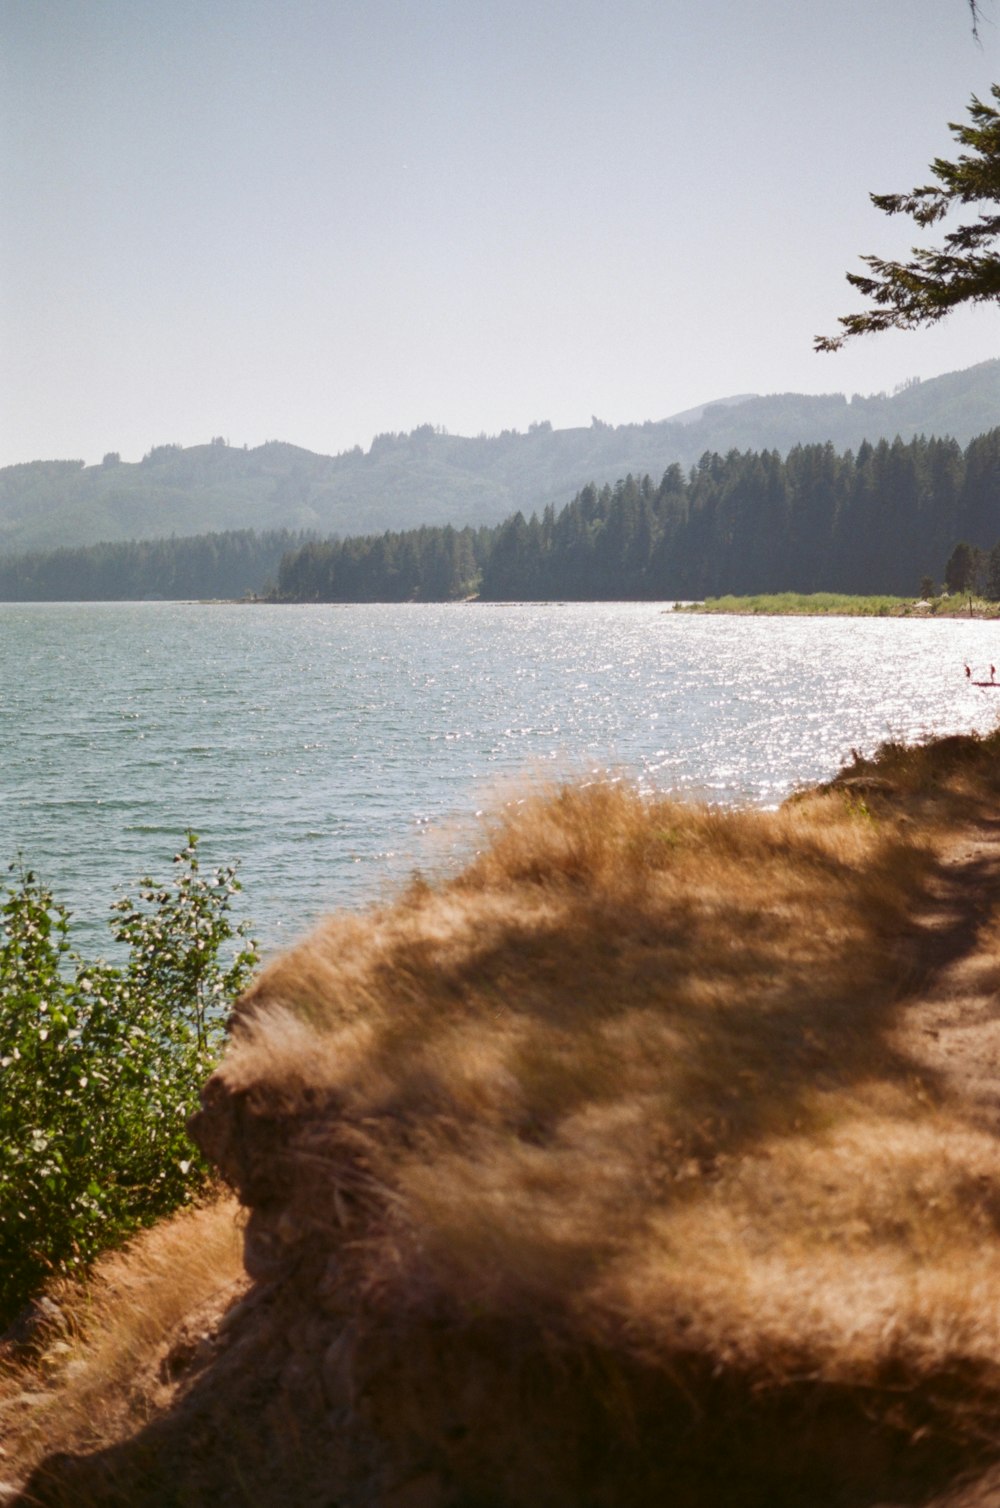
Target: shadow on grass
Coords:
[(693, 1014)]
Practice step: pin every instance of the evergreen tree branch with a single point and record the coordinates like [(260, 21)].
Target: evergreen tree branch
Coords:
[(966, 267)]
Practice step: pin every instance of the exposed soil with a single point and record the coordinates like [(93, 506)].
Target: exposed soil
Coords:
[(952, 1025)]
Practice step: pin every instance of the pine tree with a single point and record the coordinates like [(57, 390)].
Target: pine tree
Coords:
[(965, 268)]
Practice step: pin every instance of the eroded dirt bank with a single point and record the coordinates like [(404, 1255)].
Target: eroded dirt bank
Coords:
[(652, 1160)]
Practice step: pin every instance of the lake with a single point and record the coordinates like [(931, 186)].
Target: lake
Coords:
[(331, 749)]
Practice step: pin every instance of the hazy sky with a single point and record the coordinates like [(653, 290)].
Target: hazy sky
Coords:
[(314, 220)]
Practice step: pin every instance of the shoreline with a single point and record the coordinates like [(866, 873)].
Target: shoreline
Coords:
[(841, 605)]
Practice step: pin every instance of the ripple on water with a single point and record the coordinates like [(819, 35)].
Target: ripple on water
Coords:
[(318, 745)]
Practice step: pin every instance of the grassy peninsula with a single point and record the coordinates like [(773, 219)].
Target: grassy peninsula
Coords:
[(651, 1159), (842, 605), (801, 605)]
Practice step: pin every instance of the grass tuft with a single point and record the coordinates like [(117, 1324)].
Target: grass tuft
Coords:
[(93, 1368)]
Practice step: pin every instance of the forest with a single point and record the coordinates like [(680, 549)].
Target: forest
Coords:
[(878, 521), (237, 563), (431, 477), (881, 520)]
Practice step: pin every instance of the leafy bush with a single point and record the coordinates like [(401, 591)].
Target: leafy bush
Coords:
[(100, 1064)]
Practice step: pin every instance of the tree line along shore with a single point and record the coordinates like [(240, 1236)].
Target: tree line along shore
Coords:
[(876, 522)]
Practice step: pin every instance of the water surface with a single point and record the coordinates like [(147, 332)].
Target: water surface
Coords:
[(332, 749)]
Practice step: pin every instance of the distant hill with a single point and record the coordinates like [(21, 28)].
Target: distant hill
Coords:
[(691, 415), (429, 477)]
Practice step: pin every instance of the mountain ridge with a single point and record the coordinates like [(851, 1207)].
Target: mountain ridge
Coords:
[(431, 477)]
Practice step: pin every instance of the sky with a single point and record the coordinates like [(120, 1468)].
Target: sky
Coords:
[(319, 220)]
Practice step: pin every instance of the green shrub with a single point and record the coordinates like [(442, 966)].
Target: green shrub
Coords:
[(100, 1064)]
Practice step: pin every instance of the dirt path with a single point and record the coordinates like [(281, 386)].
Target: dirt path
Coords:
[(951, 1026)]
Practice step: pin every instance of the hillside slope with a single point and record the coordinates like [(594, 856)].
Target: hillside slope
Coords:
[(427, 477), (652, 1159)]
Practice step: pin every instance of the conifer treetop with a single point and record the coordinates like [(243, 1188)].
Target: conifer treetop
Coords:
[(965, 267)]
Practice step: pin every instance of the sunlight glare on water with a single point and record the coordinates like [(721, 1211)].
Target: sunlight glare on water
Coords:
[(332, 749)]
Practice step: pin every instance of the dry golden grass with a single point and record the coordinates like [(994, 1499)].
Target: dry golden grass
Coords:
[(947, 781), (91, 1373), (633, 1083), (630, 1076)]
